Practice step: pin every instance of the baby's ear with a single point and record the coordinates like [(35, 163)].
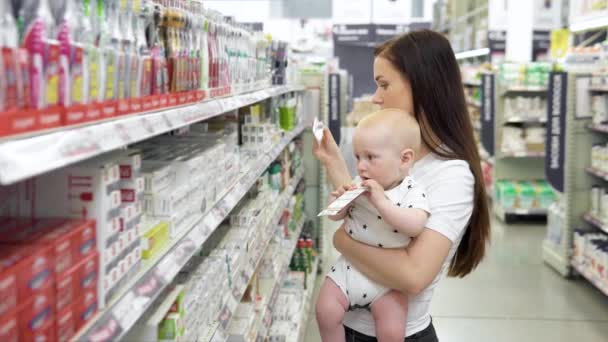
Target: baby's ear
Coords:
[(407, 156)]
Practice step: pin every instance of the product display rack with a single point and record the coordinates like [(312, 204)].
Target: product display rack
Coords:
[(264, 321), (516, 165), (570, 182), (597, 173), (123, 312), (591, 278), (596, 222), (30, 156), (243, 275)]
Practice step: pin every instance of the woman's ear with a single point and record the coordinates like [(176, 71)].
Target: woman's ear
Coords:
[(407, 157)]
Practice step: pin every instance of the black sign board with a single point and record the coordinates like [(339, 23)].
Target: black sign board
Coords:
[(372, 34), (487, 113), (555, 141), (497, 41), (334, 106)]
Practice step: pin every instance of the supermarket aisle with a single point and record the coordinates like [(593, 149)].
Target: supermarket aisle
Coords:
[(513, 296)]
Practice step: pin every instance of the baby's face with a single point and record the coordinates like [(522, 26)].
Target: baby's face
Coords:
[(377, 158)]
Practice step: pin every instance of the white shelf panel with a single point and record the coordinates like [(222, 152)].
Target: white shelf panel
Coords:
[(597, 173), (31, 156), (596, 222), (218, 331), (530, 89), (591, 278), (555, 258), (501, 212), (471, 83), (520, 119), (525, 154), (113, 322), (599, 88), (598, 128)]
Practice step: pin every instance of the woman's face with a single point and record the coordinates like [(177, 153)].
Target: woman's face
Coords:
[(393, 90)]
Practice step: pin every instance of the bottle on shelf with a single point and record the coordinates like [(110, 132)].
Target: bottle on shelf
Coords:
[(11, 84)]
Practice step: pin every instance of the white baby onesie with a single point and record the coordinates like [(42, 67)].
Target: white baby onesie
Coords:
[(364, 224)]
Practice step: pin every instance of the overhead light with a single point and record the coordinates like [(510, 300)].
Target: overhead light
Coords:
[(472, 53), (590, 24)]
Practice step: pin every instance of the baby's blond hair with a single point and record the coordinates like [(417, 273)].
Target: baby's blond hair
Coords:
[(401, 128)]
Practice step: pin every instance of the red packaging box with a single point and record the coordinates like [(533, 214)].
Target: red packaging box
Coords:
[(50, 117), (33, 266), (79, 235), (9, 327), (75, 114), (135, 105), (8, 291), (65, 324), (94, 112), (17, 122), (46, 333), (85, 308), (109, 109), (81, 277), (163, 100), (36, 314)]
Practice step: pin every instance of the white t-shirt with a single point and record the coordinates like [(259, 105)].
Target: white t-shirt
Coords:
[(449, 187), (365, 224)]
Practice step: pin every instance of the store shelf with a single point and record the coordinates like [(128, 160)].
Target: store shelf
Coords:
[(308, 293), (506, 213), (264, 320), (599, 88), (470, 83), (591, 278), (597, 173), (596, 222), (598, 128), (525, 89), (243, 275), (525, 154), (519, 119), (121, 314), (27, 157), (473, 103)]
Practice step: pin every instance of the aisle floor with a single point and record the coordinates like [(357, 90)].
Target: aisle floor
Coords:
[(514, 296)]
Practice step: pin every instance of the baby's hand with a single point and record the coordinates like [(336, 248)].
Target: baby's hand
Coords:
[(375, 192)]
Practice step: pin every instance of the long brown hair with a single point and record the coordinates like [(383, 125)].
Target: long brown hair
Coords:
[(426, 59)]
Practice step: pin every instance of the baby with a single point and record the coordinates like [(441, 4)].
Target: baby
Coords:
[(393, 209)]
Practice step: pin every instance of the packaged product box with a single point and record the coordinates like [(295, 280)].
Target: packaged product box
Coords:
[(85, 307), (32, 266), (82, 277), (154, 239), (171, 328), (9, 327), (65, 324), (90, 190), (36, 315), (526, 196)]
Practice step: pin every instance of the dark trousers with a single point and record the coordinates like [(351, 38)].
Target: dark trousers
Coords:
[(426, 335)]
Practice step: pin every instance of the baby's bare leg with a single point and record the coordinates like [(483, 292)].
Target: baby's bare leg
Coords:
[(331, 306), (390, 316)]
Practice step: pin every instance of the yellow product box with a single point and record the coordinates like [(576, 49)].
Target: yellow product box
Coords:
[(154, 239)]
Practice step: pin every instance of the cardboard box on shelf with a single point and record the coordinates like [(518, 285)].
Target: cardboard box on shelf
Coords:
[(32, 266), (65, 324), (36, 315)]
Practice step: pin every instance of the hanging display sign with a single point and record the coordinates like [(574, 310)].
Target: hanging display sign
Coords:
[(334, 105), (487, 113), (556, 130), (359, 34), (541, 43), (497, 41)]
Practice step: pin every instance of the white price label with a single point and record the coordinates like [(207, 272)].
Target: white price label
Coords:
[(129, 309), (168, 268)]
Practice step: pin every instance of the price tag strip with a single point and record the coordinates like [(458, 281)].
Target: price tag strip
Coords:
[(342, 202), (113, 323), (31, 156)]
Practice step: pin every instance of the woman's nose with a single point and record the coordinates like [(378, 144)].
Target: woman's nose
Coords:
[(376, 99)]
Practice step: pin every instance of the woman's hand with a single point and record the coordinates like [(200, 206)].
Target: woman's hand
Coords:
[(341, 238), (328, 149)]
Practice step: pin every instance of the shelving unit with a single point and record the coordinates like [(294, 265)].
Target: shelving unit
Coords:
[(243, 275), (597, 173), (596, 222), (30, 156), (598, 128), (508, 165), (565, 174), (123, 312), (591, 278)]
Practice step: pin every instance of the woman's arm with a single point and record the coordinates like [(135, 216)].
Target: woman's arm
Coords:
[(408, 270), (329, 155)]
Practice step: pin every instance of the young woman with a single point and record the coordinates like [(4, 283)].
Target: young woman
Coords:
[(418, 73)]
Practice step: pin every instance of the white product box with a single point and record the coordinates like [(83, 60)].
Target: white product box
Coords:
[(165, 203), (87, 190), (156, 177)]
